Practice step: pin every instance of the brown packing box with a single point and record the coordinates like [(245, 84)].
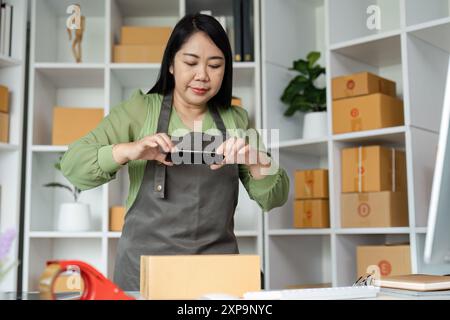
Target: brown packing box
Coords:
[(311, 184), (138, 53), (137, 35), (374, 209), (311, 213), (70, 124), (116, 218), (373, 111), (191, 276), (4, 127), (4, 99), (236, 102), (361, 83), (391, 259), (375, 173)]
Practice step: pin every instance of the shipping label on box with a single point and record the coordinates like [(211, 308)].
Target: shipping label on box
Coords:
[(191, 276), (374, 209), (373, 169), (311, 184), (311, 213), (361, 83), (71, 124), (374, 111), (390, 260)]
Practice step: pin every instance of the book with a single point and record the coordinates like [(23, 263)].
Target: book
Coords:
[(247, 38), (415, 282), (412, 293), (237, 26)]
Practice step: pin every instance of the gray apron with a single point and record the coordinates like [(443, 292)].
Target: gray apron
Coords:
[(180, 209)]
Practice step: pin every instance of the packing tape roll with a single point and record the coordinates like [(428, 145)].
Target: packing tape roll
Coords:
[(48, 280)]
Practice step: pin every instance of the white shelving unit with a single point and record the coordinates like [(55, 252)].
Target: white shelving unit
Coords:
[(12, 75), (98, 82), (412, 48)]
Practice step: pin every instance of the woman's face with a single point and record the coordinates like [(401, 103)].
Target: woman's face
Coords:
[(198, 69)]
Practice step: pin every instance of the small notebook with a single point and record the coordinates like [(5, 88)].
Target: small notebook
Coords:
[(415, 282)]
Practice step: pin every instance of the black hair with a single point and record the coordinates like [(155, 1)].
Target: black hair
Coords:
[(185, 28)]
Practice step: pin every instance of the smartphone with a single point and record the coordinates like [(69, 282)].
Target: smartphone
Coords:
[(194, 157)]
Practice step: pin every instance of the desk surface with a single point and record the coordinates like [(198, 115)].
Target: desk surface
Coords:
[(136, 294)]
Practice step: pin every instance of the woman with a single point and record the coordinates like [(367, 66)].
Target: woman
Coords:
[(184, 208)]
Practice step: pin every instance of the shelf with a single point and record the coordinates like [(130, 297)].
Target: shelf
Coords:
[(435, 33), (393, 135), (8, 147), (298, 232), (9, 62), (393, 230), (420, 12), (377, 50), (58, 234), (69, 76), (315, 147), (45, 148), (134, 66), (421, 230), (136, 8)]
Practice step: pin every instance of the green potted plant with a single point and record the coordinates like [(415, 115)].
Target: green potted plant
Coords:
[(73, 216), (303, 95)]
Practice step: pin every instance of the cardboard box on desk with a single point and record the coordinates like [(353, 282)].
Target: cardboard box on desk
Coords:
[(4, 99), (311, 184), (145, 35), (312, 213), (374, 209), (374, 111), (4, 127), (138, 53), (390, 259), (70, 124), (373, 169), (191, 276), (361, 83)]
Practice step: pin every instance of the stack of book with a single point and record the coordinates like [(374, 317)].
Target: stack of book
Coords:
[(416, 285), (5, 28)]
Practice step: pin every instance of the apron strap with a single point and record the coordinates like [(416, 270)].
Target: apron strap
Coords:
[(218, 120), (163, 126)]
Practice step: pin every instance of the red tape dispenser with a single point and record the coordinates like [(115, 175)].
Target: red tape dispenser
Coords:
[(95, 286)]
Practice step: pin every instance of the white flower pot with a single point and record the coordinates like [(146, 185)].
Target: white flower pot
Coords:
[(315, 125), (74, 217)]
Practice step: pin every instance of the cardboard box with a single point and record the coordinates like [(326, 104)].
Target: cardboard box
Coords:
[(390, 259), (191, 276), (311, 184), (138, 53), (361, 83), (137, 35), (374, 209), (4, 127), (70, 124), (236, 102), (4, 99), (311, 213), (116, 218), (373, 169), (373, 111)]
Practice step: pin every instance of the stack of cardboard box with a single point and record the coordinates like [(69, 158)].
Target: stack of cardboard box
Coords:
[(4, 114), (388, 260), (364, 101), (311, 206), (141, 44), (374, 187)]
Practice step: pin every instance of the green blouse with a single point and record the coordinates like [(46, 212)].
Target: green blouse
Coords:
[(89, 163)]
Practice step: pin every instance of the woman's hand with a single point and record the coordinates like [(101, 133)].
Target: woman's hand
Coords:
[(152, 147), (235, 150)]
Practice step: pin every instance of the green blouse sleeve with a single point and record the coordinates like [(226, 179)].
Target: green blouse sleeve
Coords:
[(88, 162), (272, 190)]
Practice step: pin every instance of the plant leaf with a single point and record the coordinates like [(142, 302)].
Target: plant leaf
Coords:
[(294, 87), (301, 66), (312, 58)]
